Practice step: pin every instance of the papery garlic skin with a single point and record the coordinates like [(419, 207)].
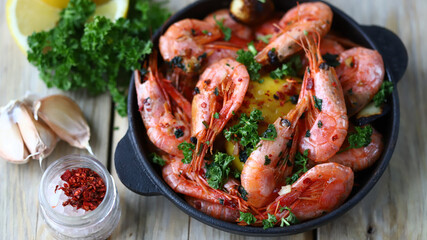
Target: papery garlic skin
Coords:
[(12, 147), (65, 118), (39, 139)]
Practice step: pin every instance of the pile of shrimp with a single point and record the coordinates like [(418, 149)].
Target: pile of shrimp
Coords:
[(200, 86)]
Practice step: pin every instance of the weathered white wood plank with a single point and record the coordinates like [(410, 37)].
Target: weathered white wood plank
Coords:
[(19, 184), (396, 207)]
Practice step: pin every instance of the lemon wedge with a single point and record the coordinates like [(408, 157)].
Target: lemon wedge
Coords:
[(27, 16)]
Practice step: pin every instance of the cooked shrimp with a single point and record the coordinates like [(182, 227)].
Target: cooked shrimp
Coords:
[(330, 46), (167, 126), (215, 210), (178, 176), (361, 158), (320, 190), (297, 22), (222, 87), (326, 122), (184, 40), (361, 74), (238, 30), (220, 50), (267, 164)]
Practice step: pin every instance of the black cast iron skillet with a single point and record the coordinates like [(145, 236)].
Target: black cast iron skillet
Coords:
[(139, 175)]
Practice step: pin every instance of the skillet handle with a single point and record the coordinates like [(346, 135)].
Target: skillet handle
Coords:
[(391, 48), (131, 172)]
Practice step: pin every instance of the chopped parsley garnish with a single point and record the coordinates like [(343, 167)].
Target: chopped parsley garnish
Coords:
[(236, 174), (318, 103), (217, 172), (247, 59), (246, 130), (225, 30), (205, 32), (155, 158), (187, 150), (360, 138), (267, 160), (290, 219), (301, 162), (307, 134), (216, 92), (243, 193), (270, 134), (248, 218), (385, 90), (331, 60), (319, 124), (216, 115), (221, 201), (289, 68), (178, 133), (264, 38), (80, 54), (205, 124), (252, 49), (269, 222)]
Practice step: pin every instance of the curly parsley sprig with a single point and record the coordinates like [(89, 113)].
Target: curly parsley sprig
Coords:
[(98, 55)]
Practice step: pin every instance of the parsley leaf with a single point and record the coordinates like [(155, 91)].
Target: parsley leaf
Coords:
[(289, 68), (269, 222), (331, 60), (385, 90), (290, 219), (318, 103), (77, 54), (187, 150), (155, 158), (249, 218), (246, 130), (264, 38), (225, 30), (270, 134), (247, 59), (217, 172), (252, 49), (360, 138), (301, 162)]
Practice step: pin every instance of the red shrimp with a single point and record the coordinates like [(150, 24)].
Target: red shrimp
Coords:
[(325, 125), (320, 190), (215, 210), (221, 89), (184, 43), (361, 74), (265, 167), (360, 158), (297, 22), (167, 125)]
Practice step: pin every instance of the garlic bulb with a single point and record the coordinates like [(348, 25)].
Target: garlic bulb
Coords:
[(38, 137), (12, 147), (65, 118)]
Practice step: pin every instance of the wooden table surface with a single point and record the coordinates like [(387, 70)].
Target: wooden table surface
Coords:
[(395, 209)]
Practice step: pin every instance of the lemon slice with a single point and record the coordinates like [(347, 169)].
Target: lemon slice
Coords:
[(27, 16)]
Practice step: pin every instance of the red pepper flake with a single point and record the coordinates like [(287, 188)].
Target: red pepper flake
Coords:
[(84, 187)]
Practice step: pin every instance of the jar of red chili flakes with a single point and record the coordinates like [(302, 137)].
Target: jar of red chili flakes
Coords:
[(78, 199)]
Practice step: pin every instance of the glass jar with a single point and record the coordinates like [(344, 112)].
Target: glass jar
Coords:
[(96, 224)]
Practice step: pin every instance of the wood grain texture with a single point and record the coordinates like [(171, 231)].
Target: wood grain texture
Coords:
[(396, 207), (19, 184)]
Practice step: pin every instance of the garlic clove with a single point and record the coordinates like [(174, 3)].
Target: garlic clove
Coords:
[(65, 118), (12, 147), (39, 139)]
